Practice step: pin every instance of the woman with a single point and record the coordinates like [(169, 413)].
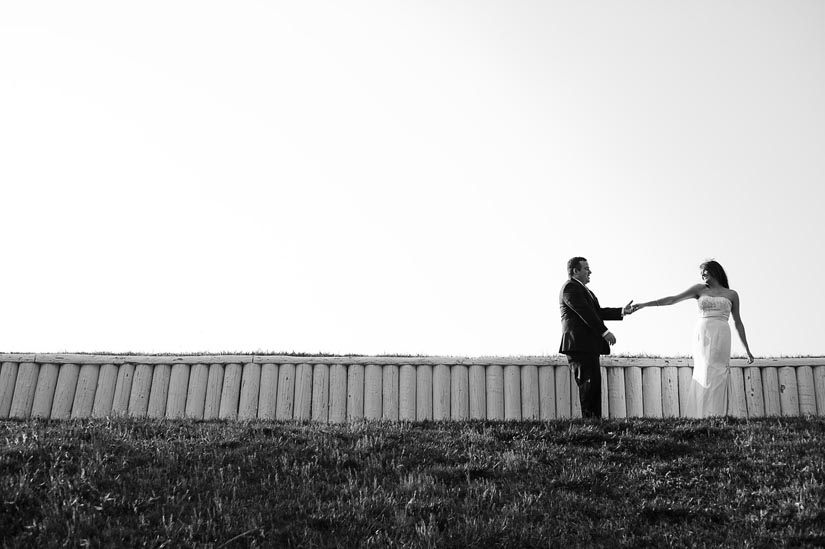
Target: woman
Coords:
[(708, 393)]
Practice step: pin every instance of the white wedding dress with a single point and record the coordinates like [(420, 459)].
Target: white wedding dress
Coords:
[(708, 392)]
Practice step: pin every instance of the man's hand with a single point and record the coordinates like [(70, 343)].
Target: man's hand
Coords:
[(610, 338), (629, 309)]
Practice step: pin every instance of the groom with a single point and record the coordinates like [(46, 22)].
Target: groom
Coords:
[(584, 335)]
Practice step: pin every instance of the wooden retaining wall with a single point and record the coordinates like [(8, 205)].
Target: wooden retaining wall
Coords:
[(340, 389)]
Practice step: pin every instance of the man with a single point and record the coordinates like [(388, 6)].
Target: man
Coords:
[(584, 335)]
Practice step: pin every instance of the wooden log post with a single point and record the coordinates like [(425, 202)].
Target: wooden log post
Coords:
[(564, 409), (268, 395), (84, 395), (141, 385), (495, 392), (736, 393), (373, 391), (286, 391), (807, 393), (355, 392), (320, 393), (616, 398), (819, 389), (44, 394), (652, 392), (424, 392), (159, 393), (441, 392), (459, 392), (477, 387), (123, 389), (231, 391), (64, 391), (605, 390), (788, 391), (25, 385), (178, 391), (670, 391), (685, 379), (512, 392), (547, 392), (407, 393), (302, 409), (530, 408), (633, 387), (214, 389), (105, 391), (389, 395), (338, 393), (8, 378), (250, 391), (196, 391), (754, 398), (770, 388)]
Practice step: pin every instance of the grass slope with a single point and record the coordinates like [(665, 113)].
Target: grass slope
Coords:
[(640, 482)]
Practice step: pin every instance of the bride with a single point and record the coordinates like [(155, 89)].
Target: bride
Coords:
[(708, 393)]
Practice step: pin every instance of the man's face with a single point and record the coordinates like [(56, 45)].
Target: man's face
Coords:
[(582, 274)]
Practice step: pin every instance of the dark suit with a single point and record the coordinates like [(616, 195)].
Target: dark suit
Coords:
[(582, 327)]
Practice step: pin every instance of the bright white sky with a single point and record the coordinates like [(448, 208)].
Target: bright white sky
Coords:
[(405, 177)]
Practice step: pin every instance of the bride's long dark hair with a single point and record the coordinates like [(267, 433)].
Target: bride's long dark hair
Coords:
[(715, 270)]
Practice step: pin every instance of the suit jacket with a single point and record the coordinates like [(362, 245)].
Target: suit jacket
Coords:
[(582, 320)]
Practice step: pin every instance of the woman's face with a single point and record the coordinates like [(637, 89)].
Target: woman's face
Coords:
[(705, 275)]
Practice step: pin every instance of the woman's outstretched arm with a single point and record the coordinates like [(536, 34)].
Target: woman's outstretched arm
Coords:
[(692, 292), (740, 327)]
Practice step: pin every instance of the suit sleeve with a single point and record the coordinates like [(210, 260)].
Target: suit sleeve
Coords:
[(576, 300), (611, 313)]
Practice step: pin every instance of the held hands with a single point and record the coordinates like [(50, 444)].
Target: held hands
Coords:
[(633, 307)]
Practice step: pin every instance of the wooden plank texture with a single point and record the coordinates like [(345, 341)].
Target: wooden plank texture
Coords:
[(459, 392), (25, 386), (407, 393), (178, 389), (633, 388), (250, 391), (737, 407), (105, 391), (441, 392), (754, 397), (64, 391), (530, 392), (44, 394), (159, 392), (268, 394), (495, 392), (547, 392), (123, 389), (8, 378), (788, 391), (670, 391), (196, 390), (807, 392), (84, 395), (231, 391), (390, 395), (320, 392)]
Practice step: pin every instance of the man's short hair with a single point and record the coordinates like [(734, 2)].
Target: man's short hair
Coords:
[(573, 264)]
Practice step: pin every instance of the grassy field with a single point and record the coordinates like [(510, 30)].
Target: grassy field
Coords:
[(640, 482)]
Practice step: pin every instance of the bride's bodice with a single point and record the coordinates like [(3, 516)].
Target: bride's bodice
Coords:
[(714, 307)]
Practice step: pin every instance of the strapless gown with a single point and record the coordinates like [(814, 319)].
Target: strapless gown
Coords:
[(708, 392)]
